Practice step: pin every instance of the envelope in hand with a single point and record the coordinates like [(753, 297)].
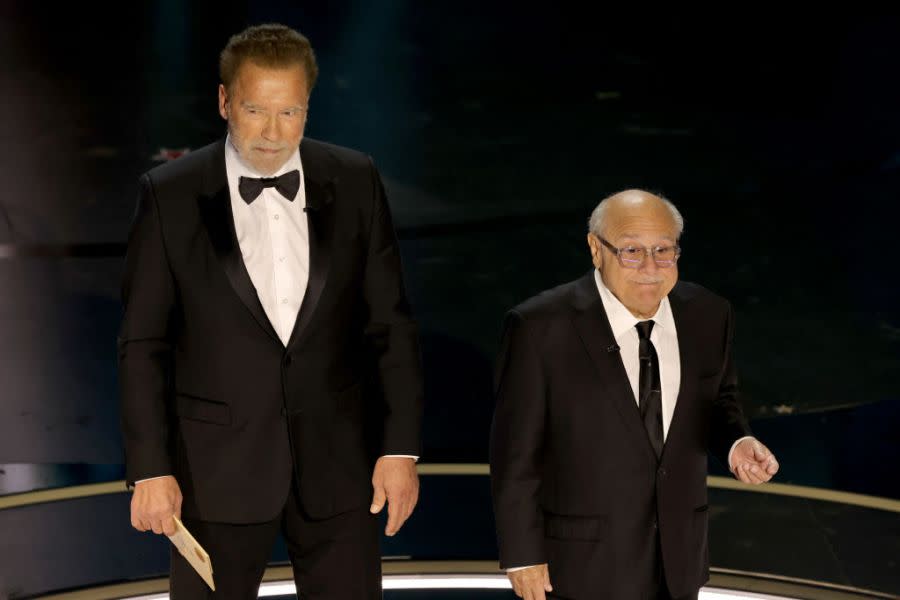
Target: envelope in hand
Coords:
[(193, 552)]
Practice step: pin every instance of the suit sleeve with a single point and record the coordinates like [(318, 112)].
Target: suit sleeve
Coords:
[(144, 347), (516, 447), (391, 332), (728, 421)]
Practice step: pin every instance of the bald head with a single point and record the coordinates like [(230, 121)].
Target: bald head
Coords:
[(634, 203), (640, 224)]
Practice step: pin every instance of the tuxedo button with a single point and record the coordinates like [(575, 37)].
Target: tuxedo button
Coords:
[(655, 524), (288, 360), (662, 472)]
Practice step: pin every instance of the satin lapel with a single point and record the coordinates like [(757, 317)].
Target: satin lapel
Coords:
[(593, 328), (215, 211), (320, 217), (687, 353)]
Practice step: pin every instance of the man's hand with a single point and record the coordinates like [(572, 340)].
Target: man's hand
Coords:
[(531, 583), (395, 479), (154, 503), (751, 462)]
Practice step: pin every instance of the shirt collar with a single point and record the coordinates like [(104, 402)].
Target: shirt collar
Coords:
[(621, 321)]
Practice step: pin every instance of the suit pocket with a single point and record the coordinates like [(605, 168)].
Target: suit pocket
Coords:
[(702, 509), (200, 409), (566, 527)]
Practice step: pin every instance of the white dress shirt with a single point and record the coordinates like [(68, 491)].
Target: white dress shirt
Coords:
[(273, 235), (664, 338), (622, 323)]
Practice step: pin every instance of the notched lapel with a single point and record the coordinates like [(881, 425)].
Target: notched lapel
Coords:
[(592, 325), (215, 212), (687, 354), (320, 218)]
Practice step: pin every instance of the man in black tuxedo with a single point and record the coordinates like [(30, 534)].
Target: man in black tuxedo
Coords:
[(269, 364), (611, 389)]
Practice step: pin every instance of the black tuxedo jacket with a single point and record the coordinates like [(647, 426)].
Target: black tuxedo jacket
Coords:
[(575, 480), (211, 395)]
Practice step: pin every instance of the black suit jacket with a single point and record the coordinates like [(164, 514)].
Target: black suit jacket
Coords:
[(210, 394), (575, 480)]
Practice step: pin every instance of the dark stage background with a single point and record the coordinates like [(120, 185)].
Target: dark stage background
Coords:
[(497, 129)]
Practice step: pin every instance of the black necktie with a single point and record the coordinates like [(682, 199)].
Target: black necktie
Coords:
[(649, 394), (287, 185)]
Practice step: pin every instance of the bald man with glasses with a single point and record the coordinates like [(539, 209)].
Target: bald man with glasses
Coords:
[(610, 391)]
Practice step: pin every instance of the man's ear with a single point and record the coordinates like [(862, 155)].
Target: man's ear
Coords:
[(223, 101), (596, 250)]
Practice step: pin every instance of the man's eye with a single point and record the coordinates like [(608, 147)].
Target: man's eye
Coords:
[(664, 251), (631, 251)]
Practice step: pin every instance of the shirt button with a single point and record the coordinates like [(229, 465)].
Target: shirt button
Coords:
[(281, 259), (284, 300), (276, 217)]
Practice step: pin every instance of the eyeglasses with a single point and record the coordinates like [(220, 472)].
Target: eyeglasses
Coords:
[(632, 257)]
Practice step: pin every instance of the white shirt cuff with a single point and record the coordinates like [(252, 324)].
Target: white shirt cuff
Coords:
[(511, 569), (415, 458), (734, 445), (150, 479)]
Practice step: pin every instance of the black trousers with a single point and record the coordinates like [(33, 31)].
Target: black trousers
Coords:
[(336, 559)]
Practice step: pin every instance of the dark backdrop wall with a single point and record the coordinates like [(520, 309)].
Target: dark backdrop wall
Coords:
[(497, 130)]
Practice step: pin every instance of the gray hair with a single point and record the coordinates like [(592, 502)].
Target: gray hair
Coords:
[(598, 218)]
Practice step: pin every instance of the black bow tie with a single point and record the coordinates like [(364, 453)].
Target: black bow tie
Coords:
[(287, 185)]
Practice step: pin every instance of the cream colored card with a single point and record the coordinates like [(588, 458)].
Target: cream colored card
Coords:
[(193, 552)]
